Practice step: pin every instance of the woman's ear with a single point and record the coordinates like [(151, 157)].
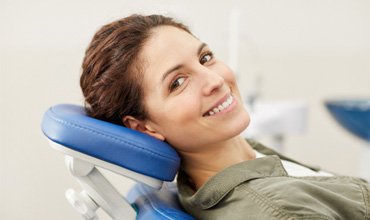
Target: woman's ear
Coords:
[(142, 126)]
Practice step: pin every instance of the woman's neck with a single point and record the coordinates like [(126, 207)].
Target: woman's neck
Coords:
[(202, 165)]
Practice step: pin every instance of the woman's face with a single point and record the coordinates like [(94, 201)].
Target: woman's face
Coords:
[(191, 97)]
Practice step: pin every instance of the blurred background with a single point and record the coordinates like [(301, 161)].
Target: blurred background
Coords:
[(281, 50)]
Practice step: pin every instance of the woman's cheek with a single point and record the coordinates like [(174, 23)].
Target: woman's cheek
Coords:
[(223, 70)]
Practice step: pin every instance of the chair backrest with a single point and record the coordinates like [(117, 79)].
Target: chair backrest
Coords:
[(90, 142), (69, 126)]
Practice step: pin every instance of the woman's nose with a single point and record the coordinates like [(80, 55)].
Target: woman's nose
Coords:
[(212, 82)]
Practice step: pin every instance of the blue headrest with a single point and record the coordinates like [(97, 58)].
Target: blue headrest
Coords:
[(69, 125)]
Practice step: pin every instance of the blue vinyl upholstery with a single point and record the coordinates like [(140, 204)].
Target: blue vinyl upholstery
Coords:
[(157, 205), (68, 125)]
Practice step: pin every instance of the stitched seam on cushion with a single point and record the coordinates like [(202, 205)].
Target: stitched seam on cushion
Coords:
[(264, 202), (162, 212), (118, 140), (159, 211)]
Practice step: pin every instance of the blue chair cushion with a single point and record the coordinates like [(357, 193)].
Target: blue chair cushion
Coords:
[(69, 126), (157, 204)]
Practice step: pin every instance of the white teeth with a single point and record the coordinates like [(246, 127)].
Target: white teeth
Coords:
[(230, 100), (222, 106)]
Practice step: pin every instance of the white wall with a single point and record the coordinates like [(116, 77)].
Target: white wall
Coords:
[(304, 49)]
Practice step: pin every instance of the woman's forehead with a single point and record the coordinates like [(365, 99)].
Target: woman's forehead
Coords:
[(169, 39), (168, 46)]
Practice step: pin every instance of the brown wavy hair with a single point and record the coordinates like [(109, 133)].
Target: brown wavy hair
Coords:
[(111, 79)]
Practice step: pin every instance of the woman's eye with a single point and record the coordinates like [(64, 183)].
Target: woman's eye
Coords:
[(178, 82), (206, 58)]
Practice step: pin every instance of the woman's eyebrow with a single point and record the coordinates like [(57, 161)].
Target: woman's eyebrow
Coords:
[(168, 72)]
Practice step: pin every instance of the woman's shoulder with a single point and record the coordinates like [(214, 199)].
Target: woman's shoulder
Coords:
[(287, 197), (270, 196)]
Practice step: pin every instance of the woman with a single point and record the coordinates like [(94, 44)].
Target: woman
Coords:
[(149, 73)]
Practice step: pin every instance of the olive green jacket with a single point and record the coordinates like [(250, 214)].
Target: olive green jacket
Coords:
[(261, 189)]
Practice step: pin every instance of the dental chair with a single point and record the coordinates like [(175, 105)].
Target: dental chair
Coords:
[(89, 143)]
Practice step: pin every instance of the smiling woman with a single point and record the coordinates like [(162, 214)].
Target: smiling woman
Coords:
[(183, 83), (149, 73)]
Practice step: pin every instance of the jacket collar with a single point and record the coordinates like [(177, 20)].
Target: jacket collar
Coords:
[(219, 185), (268, 151)]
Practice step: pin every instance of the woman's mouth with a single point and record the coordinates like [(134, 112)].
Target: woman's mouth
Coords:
[(221, 107)]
